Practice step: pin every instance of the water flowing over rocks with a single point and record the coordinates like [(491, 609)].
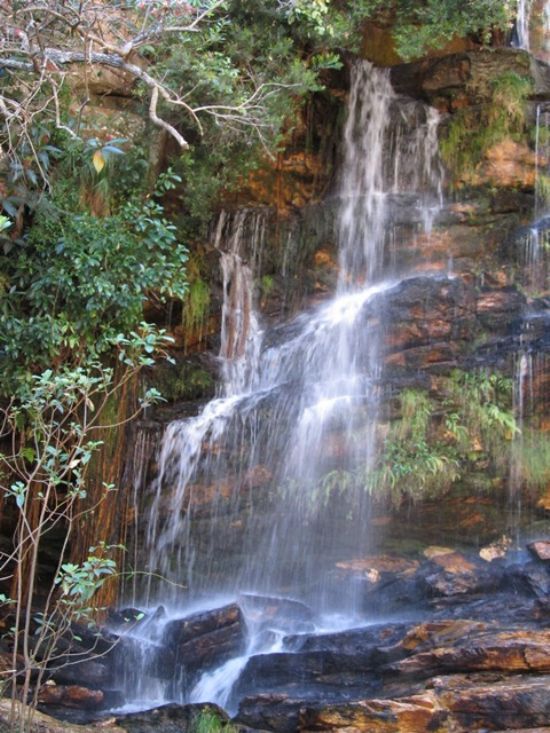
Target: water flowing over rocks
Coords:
[(295, 599), (206, 639), (466, 657)]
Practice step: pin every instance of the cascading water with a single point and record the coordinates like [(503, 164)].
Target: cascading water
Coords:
[(522, 23), (264, 490), (535, 242)]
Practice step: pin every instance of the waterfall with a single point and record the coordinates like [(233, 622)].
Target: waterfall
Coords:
[(240, 334), (529, 398), (391, 149), (535, 239), (281, 447), (239, 238), (523, 17), (265, 489)]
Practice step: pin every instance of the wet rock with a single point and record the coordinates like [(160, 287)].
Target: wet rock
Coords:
[(206, 639), (451, 575), (382, 564), (436, 633), (513, 651), (317, 673), (354, 641), (73, 696), (461, 707), (273, 712), (384, 582), (174, 718), (454, 563), (414, 714), (95, 673), (496, 550), (510, 703), (127, 619), (532, 578), (274, 611), (540, 549), (459, 80), (436, 551)]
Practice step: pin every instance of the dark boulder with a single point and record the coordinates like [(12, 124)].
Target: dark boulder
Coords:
[(205, 640)]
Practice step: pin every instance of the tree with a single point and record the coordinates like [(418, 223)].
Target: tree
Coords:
[(45, 43)]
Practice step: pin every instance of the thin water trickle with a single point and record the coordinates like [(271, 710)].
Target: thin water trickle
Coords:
[(259, 492), (523, 17), (535, 242)]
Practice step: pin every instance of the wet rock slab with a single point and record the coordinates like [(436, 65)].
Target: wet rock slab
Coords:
[(541, 549), (481, 662), (204, 640), (464, 708), (72, 696), (275, 611), (173, 718)]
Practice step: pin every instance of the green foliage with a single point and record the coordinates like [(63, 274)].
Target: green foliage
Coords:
[(470, 133), (77, 281), (436, 441), (543, 190), (533, 457), (267, 284), (79, 583), (433, 23), (208, 721), (196, 307), (414, 460)]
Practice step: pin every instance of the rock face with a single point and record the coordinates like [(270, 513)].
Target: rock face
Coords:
[(540, 549), (456, 676), (472, 655), (71, 696), (174, 719), (481, 660), (462, 79), (205, 640)]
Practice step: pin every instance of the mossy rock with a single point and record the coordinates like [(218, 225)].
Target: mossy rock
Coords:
[(185, 380)]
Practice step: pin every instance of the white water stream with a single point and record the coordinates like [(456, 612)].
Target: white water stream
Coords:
[(523, 18)]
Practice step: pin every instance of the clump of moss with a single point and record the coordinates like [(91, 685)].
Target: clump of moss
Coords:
[(472, 132)]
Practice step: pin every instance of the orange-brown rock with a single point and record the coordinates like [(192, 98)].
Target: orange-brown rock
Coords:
[(256, 477), (294, 180), (492, 705), (508, 163), (406, 715), (454, 563), (514, 651), (544, 501), (459, 79), (496, 549), (434, 633), (382, 564), (436, 550), (72, 696)]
